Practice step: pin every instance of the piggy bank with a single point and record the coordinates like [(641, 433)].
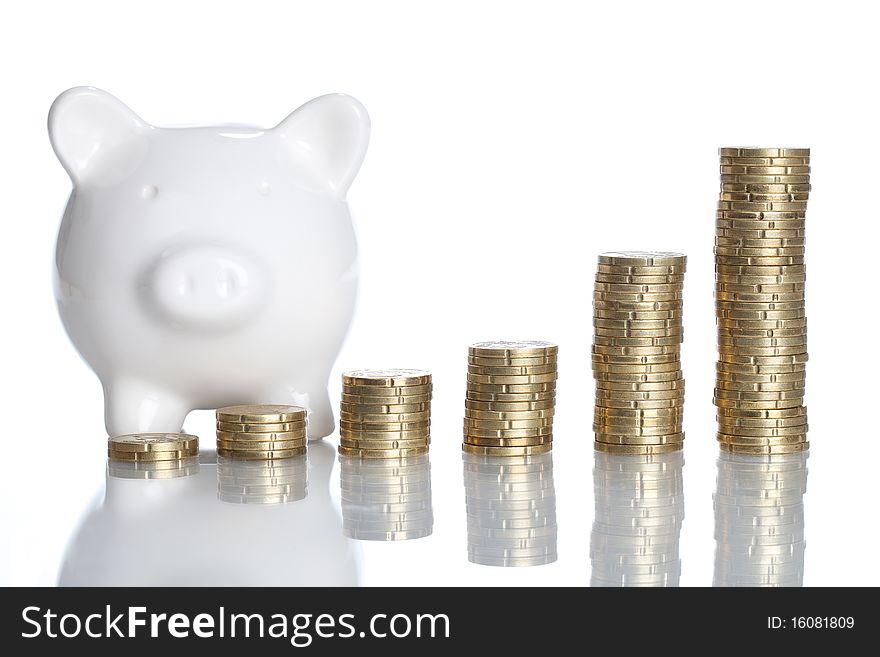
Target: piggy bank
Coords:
[(198, 267)]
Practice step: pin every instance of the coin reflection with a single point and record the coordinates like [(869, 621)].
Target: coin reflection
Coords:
[(386, 499), (511, 509), (759, 519), (637, 524), (153, 469), (262, 482)]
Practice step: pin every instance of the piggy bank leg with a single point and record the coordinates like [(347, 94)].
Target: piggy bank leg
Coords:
[(312, 396), (138, 407)]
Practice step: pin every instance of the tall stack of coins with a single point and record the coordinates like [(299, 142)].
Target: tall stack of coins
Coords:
[(385, 413), (511, 509), (637, 524), (166, 451), (262, 482), (759, 300), (759, 519), (386, 499), (261, 431), (637, 306), (510, 399)]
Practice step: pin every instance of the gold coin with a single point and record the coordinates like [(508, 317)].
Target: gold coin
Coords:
[(764, 449), (758, 270), (527, 361), (382, 453), (508, 415), (260, 455), (738, 377), (377, 435), (267, 427), (740, 297), (511, 379), (626, 350), (667, 335), (760, 214), (736, 258), (618, 341), (378, 418), (642, 270), (485, 409), (636, 288), (637, 414), (763, 351), (671, 439), (643, 298), (360, 400), (723, 305), (764, 188), (762, 441), (483, 423), (512, 348), (367, 444), (636, 306), (282, 436), (518, 370), (260, 446), (165, 455), (760, 313), (643, 258), (731, 433), (600, 370), (385, 426), (261, 413), (512, 397), (618, 317), (642, 377), (642, 430), (387, 378), (529, 450), (508, 442), (763, 152), (757, 405), (790, 412), (153, 442), (632, 279), (637, 449), (601, 359), (500, 388), (737, 340), (363, 409), (640, 386), (728, 422), (640, 403), (797, 393), (509, 433), (393, 391)]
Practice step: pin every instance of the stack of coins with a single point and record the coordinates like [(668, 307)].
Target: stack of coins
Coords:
[(262, 482), (759, 519), (385, 414), (637, 526), (261, 431), (166, 451), (510, 399), (511, 509), (759, 300), (637, 306), (386, 499)]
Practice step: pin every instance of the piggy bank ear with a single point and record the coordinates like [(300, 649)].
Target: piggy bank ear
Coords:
[(95, 136), (327, 139)]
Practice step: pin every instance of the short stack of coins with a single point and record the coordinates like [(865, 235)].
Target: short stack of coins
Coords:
[(262, 482), (637, 524), (263, 432), (759, 519), (511, 509), (162, 451), (385, 413), (386, 499), (759, 300), (510, 398), (637, 319)]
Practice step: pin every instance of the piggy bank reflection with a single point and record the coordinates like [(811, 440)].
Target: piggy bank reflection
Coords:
[(200, 267), (233, 523)]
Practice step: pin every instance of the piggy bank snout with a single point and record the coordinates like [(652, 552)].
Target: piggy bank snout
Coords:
[(207, 287)]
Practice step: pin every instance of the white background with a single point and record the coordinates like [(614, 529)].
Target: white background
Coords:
[(512, 142)]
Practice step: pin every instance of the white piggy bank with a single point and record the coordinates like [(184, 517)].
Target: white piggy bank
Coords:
[(205, 266)]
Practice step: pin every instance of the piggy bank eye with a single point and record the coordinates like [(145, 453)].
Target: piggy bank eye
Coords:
[(264, 188), (149, 192)]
